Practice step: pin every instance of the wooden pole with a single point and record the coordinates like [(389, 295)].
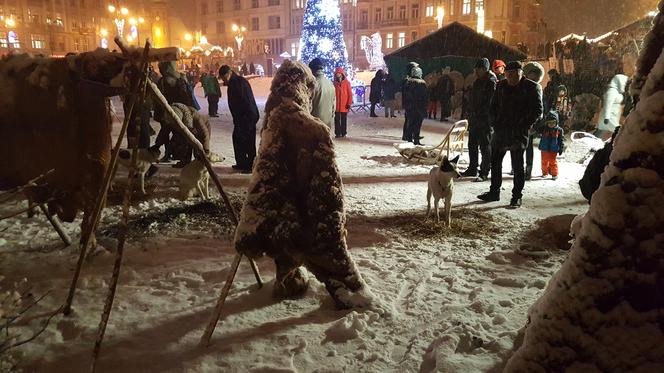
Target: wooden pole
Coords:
[(108, 305), (57, 225), (216, 314)]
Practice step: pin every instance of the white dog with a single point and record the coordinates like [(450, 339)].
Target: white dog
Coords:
[(146, 158), (441, 185), (195, 177)]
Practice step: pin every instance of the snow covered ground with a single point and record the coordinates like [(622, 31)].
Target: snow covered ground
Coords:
[(451, 300)]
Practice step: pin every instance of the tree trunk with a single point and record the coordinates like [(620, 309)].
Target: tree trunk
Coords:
[(604, 309)]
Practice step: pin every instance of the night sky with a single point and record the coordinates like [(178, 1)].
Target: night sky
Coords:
[(594, 17)]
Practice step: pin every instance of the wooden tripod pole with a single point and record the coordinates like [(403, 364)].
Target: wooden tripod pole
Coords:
[(108, 305), (216, 314)]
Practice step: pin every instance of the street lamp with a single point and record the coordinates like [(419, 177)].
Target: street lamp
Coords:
[(239, 35)]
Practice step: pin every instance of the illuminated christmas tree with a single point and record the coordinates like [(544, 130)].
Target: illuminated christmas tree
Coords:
[(323, 37)]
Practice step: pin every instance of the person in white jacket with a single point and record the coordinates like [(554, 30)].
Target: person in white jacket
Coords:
[(324, 99), (609, 117)]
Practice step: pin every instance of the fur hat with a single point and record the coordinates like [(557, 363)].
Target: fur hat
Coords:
[(416, 72), (534, 67)]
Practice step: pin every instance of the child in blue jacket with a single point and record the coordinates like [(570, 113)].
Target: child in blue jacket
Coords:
[(551, 144)]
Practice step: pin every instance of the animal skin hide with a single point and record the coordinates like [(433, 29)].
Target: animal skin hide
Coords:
[(294, 205)]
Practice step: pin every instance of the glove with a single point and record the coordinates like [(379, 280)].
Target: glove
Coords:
[(606, 121), (347, 107), (562, 149)]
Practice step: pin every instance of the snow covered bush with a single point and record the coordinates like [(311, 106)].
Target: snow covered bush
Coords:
[(604, 309)]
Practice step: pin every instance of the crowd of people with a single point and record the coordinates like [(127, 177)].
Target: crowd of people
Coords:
[(506, 108)]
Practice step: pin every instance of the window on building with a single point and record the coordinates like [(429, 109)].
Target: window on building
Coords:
[(254, 24), (390, 12), (452, 7), (465, 9), (237, 4), (38, 41), (413, 35), (429, 11), (59, 22), (273, 2), (61, 45), (204, 29), (220, 6), (3, 40), (389, 41), (34, 18), (73, 3), (402, 39), (204, 8), (294, 48), (516, 9), (364, 16), (221, 27), (254, 4), (379, 15), (402, 12), (82, 3), (298, 4), (274, 22), (415, 11), (479, 5)]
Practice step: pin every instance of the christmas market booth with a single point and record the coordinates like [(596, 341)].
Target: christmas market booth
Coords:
[(454, 45)]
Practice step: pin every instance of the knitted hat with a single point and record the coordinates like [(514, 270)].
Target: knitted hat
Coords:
[(416, 72), (497, 64), (482, 63)]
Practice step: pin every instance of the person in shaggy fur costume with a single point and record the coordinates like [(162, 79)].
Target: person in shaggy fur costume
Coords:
[(294, 209)]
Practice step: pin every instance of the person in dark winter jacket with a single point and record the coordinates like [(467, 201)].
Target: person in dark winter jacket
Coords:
[(415, 97), (375, 92), (444, 91), (409, 72), (535, 72), (515, 107), (175, 89), (389, 96), (252, 69), (242, 105), (479, 137), (592, 177), (551, 145), (552, 90)]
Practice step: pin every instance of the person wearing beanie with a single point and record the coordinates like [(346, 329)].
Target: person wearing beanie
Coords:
[(415, 99), (375, 93), (323, 99), (409, 73), (344, 100), (516, 106), (479, 137), (243, 107), (498, 68), (551, 145)]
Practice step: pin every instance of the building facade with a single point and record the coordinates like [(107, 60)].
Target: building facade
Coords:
[(57, 27), (270, 28)]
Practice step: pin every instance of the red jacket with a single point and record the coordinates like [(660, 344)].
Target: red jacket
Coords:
[(342, 91)]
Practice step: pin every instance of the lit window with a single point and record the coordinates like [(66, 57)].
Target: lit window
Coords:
[(402, 39), (466, 7), (38, 42), (293, 48), (390, 41), (429, 11), (479, 5)]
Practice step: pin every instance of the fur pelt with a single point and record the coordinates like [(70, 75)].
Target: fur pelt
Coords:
[(294, 205)]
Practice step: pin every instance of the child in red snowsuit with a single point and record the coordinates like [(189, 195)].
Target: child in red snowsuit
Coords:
[(551, 144)]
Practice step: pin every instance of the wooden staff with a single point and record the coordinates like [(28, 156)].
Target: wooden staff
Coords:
[(108, 305)]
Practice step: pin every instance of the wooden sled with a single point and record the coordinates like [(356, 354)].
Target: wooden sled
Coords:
[(452, 143)]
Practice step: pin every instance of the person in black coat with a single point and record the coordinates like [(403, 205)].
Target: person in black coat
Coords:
[(415, 100), (479, 137), (551, 90), (389, 96), (444, 92), (516, 106), (409, 70), (243, 107), (375, 94)]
